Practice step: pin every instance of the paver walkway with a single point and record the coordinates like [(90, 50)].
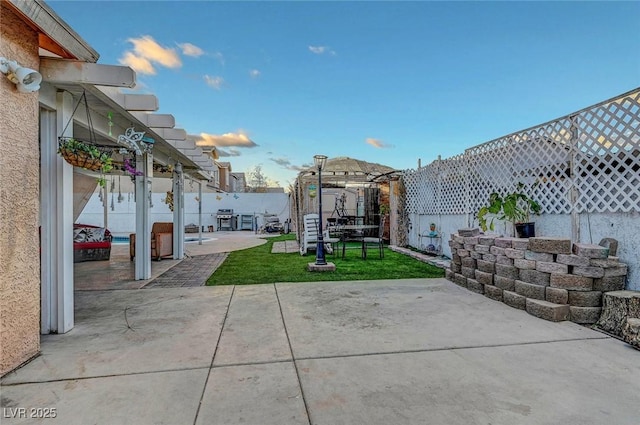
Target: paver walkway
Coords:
[(285, 247), (192, 271)]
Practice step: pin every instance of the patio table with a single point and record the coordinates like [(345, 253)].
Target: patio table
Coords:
[(353, 232)]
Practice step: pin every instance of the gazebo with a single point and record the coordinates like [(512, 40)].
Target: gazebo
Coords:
[(351, 188)]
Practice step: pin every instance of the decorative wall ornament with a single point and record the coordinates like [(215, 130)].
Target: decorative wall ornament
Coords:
[(136, 141)]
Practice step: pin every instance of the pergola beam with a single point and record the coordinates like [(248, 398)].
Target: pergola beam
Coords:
[(155, 120), (60, 71)]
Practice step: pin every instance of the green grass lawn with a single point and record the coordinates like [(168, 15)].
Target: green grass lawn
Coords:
[(259, 265)]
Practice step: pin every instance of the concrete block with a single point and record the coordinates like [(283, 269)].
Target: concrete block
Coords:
[(572, 260), (469, 247), (475, 255), (550, 245), (521, 263), (520, 243), (548, 311), (455, 245), (504, 283), (468, 262), (468, 272), (463, 253), (503, 242), (606, 263), (585, 298), (489, 257), (471, 240), (590, 250), (504, 260), (514, 253), (550, 267), (585, 315), (514, 300), (535, 277), (455, 267), (486, 240), (588, 271), (484, 278), (460, 280), (486, 266), (455, 258), (473, 231), (459, 239), (556, 295), (538, 256), (571, 282), (496, 250), (616, 271), (493, 292), (506, 271), (611, 244), (484, 249), (449, 274), (609, 283), (529, 290), (475, 286)]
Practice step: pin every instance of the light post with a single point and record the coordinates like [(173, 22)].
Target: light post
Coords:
[(320, 161)]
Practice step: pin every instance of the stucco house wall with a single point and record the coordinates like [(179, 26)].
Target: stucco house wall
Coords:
[(19, 201)]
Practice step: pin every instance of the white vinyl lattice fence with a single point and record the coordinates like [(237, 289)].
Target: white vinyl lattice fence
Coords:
[(588, 161)]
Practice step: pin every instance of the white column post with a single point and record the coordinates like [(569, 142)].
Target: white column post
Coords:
[(199, 212), (56, 197), (178, 212), (144, 163)]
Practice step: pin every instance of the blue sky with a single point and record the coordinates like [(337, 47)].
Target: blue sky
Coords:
[(274, 83)]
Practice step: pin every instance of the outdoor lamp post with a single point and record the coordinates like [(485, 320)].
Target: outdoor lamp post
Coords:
[(320, 161)]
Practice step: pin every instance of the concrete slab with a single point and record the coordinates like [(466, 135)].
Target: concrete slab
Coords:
[(376, 352), (119, 332), (153, 398), (349, 318), (523, 384), (253, 331), (265, 394)]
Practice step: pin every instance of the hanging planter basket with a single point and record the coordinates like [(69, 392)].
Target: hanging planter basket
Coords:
[(80, 154), (86, 154)]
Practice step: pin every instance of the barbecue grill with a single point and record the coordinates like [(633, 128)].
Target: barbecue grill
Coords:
[(226, 219)]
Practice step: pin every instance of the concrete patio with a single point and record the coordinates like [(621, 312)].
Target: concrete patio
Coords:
[(369, 352)]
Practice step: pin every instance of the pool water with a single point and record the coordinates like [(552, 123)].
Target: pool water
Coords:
[(125, 239)]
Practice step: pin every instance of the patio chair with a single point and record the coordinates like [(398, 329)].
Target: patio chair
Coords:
[(310, 236), (161, 241), (375, 241)]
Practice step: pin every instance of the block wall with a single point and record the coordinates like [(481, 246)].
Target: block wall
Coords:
[(550, 278)]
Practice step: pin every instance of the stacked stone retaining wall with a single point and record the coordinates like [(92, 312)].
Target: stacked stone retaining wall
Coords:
[(550, 278)]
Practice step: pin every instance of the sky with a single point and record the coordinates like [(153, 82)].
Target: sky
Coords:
[(272, 84)]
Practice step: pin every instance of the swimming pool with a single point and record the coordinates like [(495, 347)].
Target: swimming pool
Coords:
[(125, 239)]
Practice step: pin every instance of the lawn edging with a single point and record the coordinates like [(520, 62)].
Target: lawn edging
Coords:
[(441, 262)]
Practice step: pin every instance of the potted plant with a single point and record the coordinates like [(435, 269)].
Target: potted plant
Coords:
[(80, 154), (516, 208)]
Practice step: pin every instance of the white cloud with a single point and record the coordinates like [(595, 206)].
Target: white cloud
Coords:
[(138, 64), (254, 73), (238, 139), (286, 164), (147, 52), (218, 56), (321, 50), (192, 50), (379, 144), (214, 82)]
